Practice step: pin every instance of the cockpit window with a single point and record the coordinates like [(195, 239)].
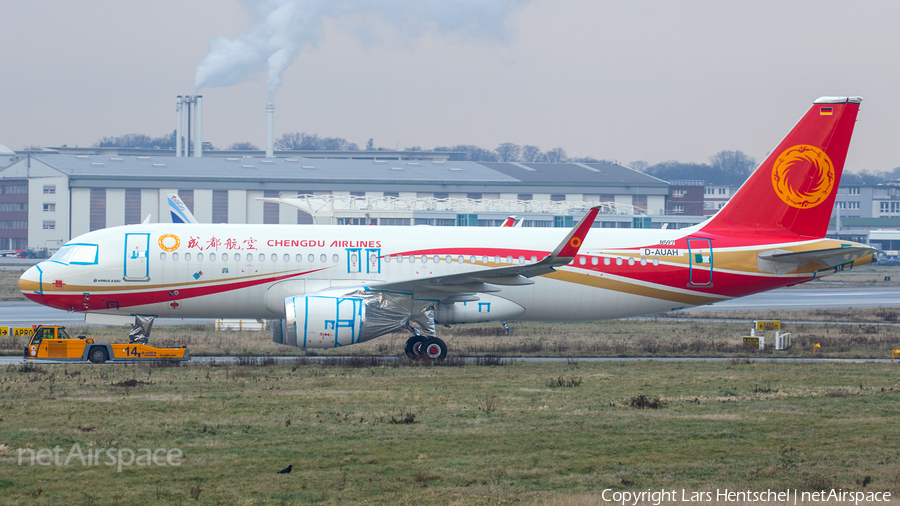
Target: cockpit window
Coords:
[(77, 254)]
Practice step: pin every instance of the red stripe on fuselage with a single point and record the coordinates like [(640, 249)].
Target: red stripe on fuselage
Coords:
[(102, 301)]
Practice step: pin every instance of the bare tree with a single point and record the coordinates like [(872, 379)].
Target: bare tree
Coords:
[(243, 146), (734, 164), (639, 165), (508, 152), (555, 155), (530, 153)]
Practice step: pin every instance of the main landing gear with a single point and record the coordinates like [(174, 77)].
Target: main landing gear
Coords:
[(430, 348)]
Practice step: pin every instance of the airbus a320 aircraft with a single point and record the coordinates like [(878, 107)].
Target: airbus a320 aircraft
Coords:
[(332, 286)]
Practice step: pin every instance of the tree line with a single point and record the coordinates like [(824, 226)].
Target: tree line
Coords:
[(730, 168)]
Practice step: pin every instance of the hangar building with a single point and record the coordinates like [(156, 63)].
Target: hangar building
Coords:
[(47, 199)]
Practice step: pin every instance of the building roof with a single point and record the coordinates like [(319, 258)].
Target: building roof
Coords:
[(578, 173), (82, 170), (6, 151)]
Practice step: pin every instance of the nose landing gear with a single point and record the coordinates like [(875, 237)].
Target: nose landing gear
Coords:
[(430, 348)]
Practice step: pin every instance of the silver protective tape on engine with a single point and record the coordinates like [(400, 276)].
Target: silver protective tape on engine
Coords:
[(140, 330), (391, 312)]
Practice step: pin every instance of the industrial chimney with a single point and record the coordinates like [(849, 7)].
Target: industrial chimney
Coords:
[(179, 120), (270, 130), (198, 122)]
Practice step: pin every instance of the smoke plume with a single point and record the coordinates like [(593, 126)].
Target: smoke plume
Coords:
[(284, 27)]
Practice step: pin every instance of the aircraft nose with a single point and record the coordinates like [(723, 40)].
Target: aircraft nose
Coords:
[(30, 282)]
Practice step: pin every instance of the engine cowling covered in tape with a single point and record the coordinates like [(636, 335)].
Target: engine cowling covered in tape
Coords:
[(333, 318)]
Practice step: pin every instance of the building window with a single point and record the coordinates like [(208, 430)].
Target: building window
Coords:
[(441, 195), (840, 205), (15, 189), (49, 189), (722, 191), (13, 224), (220, 206), (709, 191), (444, 222), (854, 205), (895, 207), (49, 207), (396, 195), (304, 218), (853, 191), (679, 209), (678, 194), (525, 196), (357, 194), (49, 225), (473, 196), (13, 207), (271, 209), (557, 197), (98, 208), (132, 206), (395, 221)]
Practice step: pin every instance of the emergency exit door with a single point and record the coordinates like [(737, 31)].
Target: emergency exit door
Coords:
[(701, 262)]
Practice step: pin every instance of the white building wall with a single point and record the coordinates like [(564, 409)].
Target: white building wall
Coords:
[(627, 200), (115, 207), (203, 206), (237, 206), (254, 207), (286, 214), (38, 237), (574, 197), (80, 211), (150, 205), (656, 204)]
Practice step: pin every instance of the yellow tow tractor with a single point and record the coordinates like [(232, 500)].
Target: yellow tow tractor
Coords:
[(52, 343)]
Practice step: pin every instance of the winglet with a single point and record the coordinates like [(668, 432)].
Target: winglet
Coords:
[(575, 238)]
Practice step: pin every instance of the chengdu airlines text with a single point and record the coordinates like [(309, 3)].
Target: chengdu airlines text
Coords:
[(786, 496)]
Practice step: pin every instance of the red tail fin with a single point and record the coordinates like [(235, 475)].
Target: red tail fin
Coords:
[(793, 190)]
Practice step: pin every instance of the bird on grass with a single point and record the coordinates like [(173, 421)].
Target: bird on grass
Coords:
[(286, 470)]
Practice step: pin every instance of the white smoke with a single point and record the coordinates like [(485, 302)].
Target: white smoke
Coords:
[(284, 27)]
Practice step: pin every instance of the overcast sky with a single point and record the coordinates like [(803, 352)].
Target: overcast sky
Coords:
[(626, 80)]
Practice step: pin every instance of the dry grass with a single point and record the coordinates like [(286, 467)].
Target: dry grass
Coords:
[(698, 337), (386, 434)]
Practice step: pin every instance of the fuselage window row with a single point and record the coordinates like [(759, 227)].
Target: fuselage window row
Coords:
[(311, 258)]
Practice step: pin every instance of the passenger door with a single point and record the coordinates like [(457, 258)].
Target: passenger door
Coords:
[(701, 262), (137, 257)]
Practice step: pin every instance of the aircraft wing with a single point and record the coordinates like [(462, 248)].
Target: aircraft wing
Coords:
[(463, 286), (781, 261)]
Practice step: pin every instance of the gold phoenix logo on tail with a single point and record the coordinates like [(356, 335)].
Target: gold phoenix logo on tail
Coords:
[(803, 176)]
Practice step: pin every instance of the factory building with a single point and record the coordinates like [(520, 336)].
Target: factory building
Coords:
[(47, 199)]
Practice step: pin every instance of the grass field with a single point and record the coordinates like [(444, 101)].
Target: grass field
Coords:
[(359, 432), (701, 337)]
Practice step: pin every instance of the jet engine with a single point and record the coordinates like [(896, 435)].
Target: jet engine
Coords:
[(333, 318)]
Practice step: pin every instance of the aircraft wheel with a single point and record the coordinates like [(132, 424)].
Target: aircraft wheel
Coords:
[(98, 355), (414, 346), (434, 349)]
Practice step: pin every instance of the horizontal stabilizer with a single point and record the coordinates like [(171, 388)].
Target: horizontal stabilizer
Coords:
[(781, 261)]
